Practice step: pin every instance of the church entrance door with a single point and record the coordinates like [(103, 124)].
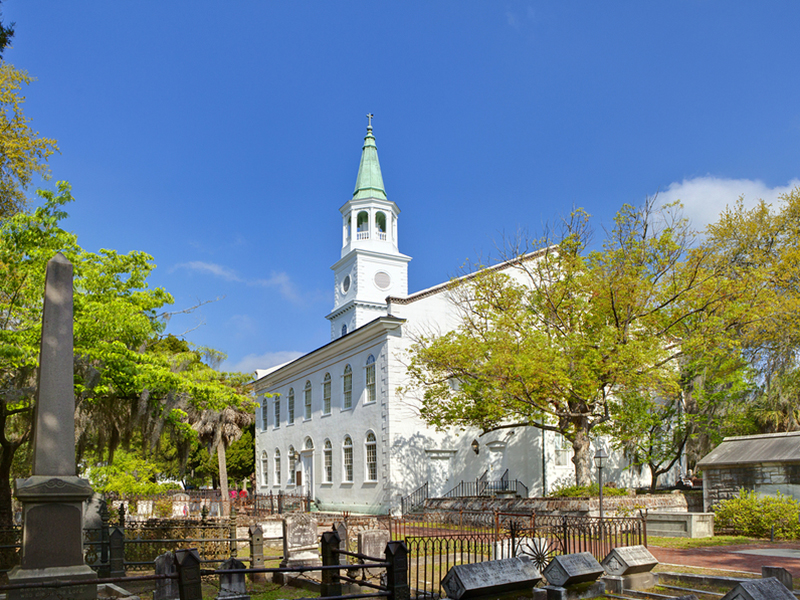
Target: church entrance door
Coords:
[(307, 460)]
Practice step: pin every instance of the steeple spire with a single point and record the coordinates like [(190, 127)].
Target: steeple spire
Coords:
[(369, 183)]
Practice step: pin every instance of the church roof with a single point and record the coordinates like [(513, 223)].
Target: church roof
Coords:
[(369, 183)]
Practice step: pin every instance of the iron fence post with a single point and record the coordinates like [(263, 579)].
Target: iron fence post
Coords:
[(232, 531), (189, 582), (331, 584), (117, 552), (257, 553), (397, 572), (105, 566), (564, 534), (280, 502)]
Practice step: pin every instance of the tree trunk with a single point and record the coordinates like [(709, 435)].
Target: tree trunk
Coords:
[(6, 505), (582, 459), (654, 475), (223, 479)]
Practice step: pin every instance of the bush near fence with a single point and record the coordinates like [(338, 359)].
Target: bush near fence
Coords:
[(753, 515)]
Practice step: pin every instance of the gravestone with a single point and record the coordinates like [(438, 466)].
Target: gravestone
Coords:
[(166, 589), (341, 529), (372, 542), (232, 585), (629, 568), (759, 589), (569, 569), (53, 497), (492, 577), (779, 573), (300, 545)]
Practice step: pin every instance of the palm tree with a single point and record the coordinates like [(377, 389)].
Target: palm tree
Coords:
[(218, 430)]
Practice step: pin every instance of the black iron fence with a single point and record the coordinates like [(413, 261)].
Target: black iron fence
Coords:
[(415, 500), (438, 540)]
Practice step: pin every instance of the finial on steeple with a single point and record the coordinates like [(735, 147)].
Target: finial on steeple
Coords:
[(369, 120)]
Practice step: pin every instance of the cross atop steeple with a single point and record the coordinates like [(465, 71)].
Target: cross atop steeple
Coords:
[(369, 120)]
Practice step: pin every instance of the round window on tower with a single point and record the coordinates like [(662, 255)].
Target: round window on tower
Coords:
[(382, 280), (346, 284)]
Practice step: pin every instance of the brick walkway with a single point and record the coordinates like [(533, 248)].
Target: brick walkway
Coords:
[(727, 557)]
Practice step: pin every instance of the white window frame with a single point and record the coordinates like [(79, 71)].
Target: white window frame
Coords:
[(562, 451), (326, 394), (371, 457), (265, 413), (277, 474), (292, 467), (347, 388), (327, 462), (277, 413), (307, 401), (369, 381), (290, 407), (347, 460), (264, 468)]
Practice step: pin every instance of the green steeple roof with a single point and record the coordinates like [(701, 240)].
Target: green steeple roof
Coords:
[(369, 183)]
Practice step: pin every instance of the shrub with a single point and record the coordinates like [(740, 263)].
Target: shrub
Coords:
[(163, 508), (585, 491), (753, 515)]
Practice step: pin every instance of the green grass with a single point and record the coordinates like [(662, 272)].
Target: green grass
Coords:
[(717, 540)]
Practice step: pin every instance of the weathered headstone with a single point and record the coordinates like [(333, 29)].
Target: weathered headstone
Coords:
[(52, 498), (629, 568), (372, 542), (569, 569), (492, 577), (166, 589), (779, 573), (300, 545), (759, 589), (232, 585)]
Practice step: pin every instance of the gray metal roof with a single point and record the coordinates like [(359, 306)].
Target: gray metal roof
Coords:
[(752, 449)]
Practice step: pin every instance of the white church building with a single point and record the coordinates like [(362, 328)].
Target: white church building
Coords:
[(332, 424)]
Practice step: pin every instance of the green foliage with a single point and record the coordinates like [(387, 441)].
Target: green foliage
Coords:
[(133, 387), (129, 475), (163, 508), (241, 457), (754, 515), (23, 152), (585, 491)]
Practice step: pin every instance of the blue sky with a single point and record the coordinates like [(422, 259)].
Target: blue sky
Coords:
[(222, 137)]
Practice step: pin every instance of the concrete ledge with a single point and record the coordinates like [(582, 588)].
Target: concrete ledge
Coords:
[(674, 524)]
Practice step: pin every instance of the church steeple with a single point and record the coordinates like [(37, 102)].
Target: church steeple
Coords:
[(369, 183), (372, 266)]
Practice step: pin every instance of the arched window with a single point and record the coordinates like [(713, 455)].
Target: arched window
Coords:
[(347, 459), (362, 223), (371, 447), (307, 401), (264, 413), (309, 445), (277, 422), (326, 394), (370, 379), (347, 388), (292, 466), (380, 225), (290, 408), (277, 467), (344, 329), (264, 468), (328, 457)]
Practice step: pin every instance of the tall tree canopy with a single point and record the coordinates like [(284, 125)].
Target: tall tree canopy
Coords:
[(564, 344), (131, 383)]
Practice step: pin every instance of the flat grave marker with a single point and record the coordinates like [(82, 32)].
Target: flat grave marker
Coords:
[(492, 577)]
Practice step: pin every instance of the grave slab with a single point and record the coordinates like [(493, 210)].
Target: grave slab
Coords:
[(232, 586), (492, 577), (372, 542), (627, 560), (779, 573), (300, 545), (759, 589), (569, 569)]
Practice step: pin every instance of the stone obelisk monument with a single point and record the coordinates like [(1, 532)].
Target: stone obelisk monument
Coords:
[(52, 498)]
